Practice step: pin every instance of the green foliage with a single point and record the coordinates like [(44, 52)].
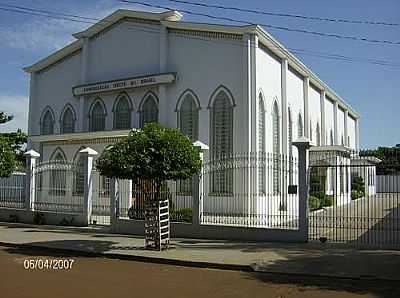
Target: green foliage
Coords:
[(8, 162), (153, 153), (355, 194), (17, 141), (327, 201), (357, 187), (5, 117), (313, 203), (182, 215), (390, 157)]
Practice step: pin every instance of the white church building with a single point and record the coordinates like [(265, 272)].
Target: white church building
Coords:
[(234, 88)]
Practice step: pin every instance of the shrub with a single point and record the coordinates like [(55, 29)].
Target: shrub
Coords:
[(39, 219), (314, 203), (355, 194), (182, 215), (327, 201)]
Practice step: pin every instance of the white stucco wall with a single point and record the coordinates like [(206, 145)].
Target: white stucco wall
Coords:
[(351, 132), (54, 89), (314, 98), (340, 125)]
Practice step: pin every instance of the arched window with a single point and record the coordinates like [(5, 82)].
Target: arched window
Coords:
[(222, 140), (97, 117), (58, 174), (78, 183), (290, 145), (300, 126), (47, 123), (276, 148), (311, 131), (68, 121), (318, 135), (188, 116), (261, 146), (149, 110), (331, 138), (122, 113), (342, 140)]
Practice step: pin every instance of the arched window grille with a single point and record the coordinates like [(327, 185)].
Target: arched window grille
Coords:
[(149, 112), (78, 183), (222, 141), (47, 125), (318, 134), (58, 176), (290, 144), (261, 146), (276, 148), (300, 126), (97, 117), (189, 117), (68, 121), (188, 121), (122, 113)]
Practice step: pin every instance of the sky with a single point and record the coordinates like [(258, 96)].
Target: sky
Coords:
[(372, 90)]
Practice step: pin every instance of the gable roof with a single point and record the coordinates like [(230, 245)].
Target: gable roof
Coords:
[(172, 19)]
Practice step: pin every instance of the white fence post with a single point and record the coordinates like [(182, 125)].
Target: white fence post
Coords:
[(88, 154), (198, 187), (30, 184), (114, 197), (303, 145)]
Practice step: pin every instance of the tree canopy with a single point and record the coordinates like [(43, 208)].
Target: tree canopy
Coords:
[(8, 161), (4, 117), (152, 153), (390, 157)]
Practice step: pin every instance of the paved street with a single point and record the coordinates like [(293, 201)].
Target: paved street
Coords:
[(373, 220), (99, 277)]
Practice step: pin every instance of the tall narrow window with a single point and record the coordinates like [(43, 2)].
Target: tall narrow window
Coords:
[(122, 113), (68, 121), (222, 141), (58, 178), (189, 117), (78, 175), (311, 131), (342, 140), (331, 138), (47, 125), (276, 148), (300, 126), (188, 121), (149, 112), (290, 144), (318, 135), (97, 117), (261, 146)]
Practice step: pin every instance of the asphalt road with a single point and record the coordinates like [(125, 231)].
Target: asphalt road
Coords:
[(99, 277)]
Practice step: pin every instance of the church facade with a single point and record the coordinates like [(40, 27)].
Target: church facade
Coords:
[(234, 88)]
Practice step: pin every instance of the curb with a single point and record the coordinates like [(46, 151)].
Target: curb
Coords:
[(273, 275)]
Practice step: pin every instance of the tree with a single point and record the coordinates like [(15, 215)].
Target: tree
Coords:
[(390, 157), (17, 141), (7, 158), (5, 117), (150, 157)]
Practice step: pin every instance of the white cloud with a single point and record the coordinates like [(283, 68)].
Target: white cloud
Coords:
[(16, 105), (45, 34)]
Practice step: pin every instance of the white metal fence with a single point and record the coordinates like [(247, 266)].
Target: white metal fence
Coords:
[(388, 184), (12, 191)]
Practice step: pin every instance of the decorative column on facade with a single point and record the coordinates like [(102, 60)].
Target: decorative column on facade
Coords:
[(335, 123), (30, 183), (284, 106), (346, 132), (84, 79), (162, 91), (357, 134), (198, 186), (306, 87), (303, 145), (31, 112), (253, 91), (88, 155), (323, 124)]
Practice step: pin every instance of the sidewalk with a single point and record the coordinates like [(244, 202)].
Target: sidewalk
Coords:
[(311, 259)]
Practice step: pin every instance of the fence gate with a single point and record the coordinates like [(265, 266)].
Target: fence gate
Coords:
[(100, 200), (350, 203)]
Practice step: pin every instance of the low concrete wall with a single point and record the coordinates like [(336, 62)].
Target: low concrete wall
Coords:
[(386, 183), (51, 218), (185, 230)]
